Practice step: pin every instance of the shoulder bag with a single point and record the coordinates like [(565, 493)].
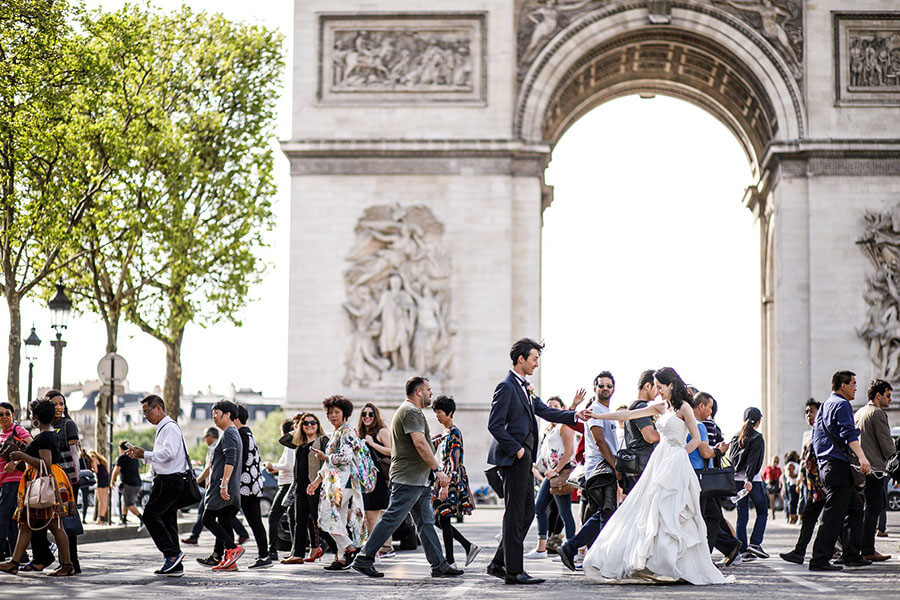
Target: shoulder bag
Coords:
[(190, 494), (629, 461), (559, 483), (716, 482)]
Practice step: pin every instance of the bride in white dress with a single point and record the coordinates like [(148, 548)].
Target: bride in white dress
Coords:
[(658, 532)]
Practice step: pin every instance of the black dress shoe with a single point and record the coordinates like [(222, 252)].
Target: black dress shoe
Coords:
[(450, 572), (522, 579), (566, 556), (792, 557), (496, 570), (856, 562), (825, 566), (367, 570)]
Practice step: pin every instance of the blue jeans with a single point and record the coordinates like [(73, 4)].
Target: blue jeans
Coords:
[(406, 499), (761, 505), (563, 503), (9, 529)]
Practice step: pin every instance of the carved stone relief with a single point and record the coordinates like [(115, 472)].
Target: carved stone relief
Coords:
[(398, 296), (867, 58), (539, 20), (402, 58), (881, 331), (779, 21)]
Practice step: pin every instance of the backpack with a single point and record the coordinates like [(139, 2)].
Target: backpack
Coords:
[(366, 470), (892, 466)]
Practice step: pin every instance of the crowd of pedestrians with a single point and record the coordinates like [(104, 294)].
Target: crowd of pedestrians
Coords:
[(658, 456)]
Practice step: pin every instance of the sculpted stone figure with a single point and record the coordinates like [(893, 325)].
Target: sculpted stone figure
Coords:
[(771, 17), (546, 19), (881, 331)]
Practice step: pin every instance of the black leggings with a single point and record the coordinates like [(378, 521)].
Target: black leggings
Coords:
[(250, 508), (219, 522), (306, 513), (451, 533)]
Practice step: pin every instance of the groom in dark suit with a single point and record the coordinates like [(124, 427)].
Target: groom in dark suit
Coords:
[(513, 426)]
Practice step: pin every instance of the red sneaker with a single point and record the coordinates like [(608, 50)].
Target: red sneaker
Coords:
[(220, 567), (231, 557)]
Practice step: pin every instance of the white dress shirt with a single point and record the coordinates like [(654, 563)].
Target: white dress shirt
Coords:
[(285, 467), (168, 454)]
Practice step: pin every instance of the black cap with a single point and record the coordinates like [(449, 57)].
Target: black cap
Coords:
[(753, 414)]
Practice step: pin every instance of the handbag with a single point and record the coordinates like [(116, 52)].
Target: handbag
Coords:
[(190, 494), (559, 483), (495, 479), (629, 461), (41, 491), (716, 482)]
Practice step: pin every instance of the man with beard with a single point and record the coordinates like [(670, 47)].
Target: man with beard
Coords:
[(601, 477)]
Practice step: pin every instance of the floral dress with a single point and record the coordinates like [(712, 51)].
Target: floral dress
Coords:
[(338, 478), (450, 454)]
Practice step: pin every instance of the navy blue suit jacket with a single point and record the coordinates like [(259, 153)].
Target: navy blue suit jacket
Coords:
[(511, 419)]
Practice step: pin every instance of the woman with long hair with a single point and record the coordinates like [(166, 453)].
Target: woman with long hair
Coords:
[(101, 469), (371, 429), (40, 458), (747, 453), (658, 532), (308, 435), (341, 508)]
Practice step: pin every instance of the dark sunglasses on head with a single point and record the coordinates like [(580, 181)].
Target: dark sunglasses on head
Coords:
[(310, 423)]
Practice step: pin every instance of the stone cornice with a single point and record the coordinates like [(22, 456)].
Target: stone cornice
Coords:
[(852, 157)]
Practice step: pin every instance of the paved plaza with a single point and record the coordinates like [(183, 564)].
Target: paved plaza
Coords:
[(124, 569)]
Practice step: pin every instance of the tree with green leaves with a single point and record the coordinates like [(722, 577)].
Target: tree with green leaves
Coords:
[(53, 157), (212, 175)]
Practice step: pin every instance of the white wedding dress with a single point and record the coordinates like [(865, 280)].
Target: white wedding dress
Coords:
[(658, 532)]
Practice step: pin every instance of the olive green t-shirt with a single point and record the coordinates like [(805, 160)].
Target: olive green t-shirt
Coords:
[(407, 466)]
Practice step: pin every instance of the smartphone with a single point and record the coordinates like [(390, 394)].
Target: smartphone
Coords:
[(129, 445)]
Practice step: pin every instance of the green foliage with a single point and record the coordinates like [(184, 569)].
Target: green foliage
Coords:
[(197, 452), (142, 438), (267, 433)]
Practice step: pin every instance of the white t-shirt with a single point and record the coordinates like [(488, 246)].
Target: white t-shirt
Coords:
[(592, 456)]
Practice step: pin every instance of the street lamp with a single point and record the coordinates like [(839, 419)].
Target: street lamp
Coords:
[(60, 306), (32, 343)]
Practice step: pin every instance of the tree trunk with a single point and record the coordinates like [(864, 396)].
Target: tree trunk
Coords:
[(101, 427), (15, 346), (172, 387)]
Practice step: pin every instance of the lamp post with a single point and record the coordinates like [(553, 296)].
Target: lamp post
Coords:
[(32, 343), (60, 306)]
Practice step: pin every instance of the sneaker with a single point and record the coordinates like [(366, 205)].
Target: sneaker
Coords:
[(536, 554), (210, 561), (390, 554), (191, 541), (337, 566), (176, 571), (757, 550), (733, 562), (231, 556), (171, 563), (748, 557), (472, 553), (449, 572), (263, 562), (367, 570), (231, 567), (141, 526)]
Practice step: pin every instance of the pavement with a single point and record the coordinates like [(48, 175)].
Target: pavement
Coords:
[(124, 569)]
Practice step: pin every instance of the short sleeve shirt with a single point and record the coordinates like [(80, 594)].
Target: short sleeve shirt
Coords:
[(592, 456), (407, 466), (697, 461), (129, 470), (45, 440)]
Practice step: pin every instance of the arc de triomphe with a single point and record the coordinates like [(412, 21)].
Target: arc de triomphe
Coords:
[(421, 131)]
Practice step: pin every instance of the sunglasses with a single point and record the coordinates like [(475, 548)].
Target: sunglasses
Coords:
[(310, 423), (368, 414), (605, 386), (5, 414)]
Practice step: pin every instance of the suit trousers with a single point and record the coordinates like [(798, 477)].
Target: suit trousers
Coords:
[(808, 519), (841, 500), (161, 513), (876, 501), (518, 494)]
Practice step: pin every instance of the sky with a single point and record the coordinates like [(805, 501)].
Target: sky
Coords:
[(649, 260)]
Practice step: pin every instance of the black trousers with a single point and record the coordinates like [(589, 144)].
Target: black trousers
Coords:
[(451, 533), (198, 525), (277, 511), (306, 516), (219, 522), (161, 513), (876, 501), (808, 519), (841, 500), (711, 509), (518, 494), (250, 508)]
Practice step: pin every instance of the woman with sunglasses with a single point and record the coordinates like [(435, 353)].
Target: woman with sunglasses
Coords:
[(307, 436), (371, 429), (15, 435)]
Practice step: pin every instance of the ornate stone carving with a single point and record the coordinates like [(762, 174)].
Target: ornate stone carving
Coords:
[(539, 20), (398, 296), (780, 22), (867, 58), (659, 12), (402, 57), (881, 331)]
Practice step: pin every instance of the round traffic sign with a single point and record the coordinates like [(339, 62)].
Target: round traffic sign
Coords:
[(105, 367)]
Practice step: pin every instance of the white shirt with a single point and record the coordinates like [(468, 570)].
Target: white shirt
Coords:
[(592, 456), (168, 454), (285, 467)]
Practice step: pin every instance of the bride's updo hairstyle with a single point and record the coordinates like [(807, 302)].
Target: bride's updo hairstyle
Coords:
[(680, 395)]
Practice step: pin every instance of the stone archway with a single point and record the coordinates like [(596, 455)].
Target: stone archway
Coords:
[(418, 149)]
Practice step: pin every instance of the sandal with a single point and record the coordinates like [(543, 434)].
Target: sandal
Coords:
[(32, 568), (11, 567), (64, 570)]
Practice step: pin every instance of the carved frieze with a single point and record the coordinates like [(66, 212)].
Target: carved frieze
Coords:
[(779, 21), (398, 297), (881, 331), (402, 58), (867, 58), (539, 20)]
